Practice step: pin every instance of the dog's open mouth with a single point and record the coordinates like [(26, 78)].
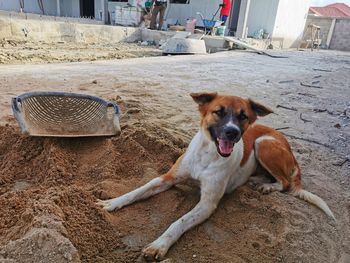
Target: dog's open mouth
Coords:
[(224, 147)]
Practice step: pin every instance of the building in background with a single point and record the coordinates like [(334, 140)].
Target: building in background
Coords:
[(94, 9), (334, 23), (282, 21), (333, 10)]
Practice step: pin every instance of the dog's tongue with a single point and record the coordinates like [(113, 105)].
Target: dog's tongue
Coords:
[(226, 147)]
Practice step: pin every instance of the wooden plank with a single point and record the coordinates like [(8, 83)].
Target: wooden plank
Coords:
[(247, 46), (243, 44), (196, 36), (182, 34)]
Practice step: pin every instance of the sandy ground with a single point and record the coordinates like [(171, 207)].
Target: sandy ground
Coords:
[(48, 186), (19, 52)]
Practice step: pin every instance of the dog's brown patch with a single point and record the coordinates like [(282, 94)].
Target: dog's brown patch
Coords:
[(249, 138), (274, 155)]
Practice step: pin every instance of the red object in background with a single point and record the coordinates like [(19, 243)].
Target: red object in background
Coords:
[(226, 9)]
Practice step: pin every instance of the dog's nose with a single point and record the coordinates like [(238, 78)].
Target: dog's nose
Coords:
[(232, 133)]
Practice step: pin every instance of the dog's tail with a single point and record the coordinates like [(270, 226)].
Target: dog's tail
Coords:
[(313, 199), (307, 196)]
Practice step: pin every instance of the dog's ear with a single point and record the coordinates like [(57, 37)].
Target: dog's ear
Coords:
[(260, 110), (203, 98)]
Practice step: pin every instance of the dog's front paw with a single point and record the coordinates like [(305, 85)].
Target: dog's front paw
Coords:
[(108, 205), (154, 252)]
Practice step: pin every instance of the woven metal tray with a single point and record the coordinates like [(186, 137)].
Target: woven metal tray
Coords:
[(61, 114)]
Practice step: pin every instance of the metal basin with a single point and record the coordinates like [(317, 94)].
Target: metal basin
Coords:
[(61, 114)]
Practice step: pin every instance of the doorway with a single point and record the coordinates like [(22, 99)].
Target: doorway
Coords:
[(87, 8), (236, 6)]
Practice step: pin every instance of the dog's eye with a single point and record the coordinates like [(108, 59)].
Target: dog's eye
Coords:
[(242, 116), (220, 112)]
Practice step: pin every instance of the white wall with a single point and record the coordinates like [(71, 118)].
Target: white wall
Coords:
[(101, 6), (50, 7), (75, 8), (182, 12), (30, 6), (290, 21), (70, 8), (9, 5), (98, 8), (262, 15)]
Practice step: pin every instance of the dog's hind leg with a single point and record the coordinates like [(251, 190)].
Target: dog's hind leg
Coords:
[(277, 158), (175, 175)]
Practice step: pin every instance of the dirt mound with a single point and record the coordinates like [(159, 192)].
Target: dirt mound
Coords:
[(49, 188)]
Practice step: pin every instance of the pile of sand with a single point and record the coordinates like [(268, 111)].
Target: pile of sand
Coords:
[(48, 213), (49, 188)]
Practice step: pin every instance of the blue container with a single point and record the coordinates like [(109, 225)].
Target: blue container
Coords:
[(209, 23)]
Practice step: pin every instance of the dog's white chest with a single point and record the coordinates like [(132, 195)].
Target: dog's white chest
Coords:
[(204, 162)]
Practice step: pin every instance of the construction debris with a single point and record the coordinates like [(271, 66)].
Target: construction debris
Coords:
[(247, 46), (181, 44)]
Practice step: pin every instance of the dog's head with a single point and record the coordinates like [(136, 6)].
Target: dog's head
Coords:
[(226, 118)]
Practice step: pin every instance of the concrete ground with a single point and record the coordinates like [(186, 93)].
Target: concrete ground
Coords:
[(309, 92)]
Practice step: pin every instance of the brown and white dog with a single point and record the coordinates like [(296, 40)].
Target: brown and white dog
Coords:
[(221, 157)]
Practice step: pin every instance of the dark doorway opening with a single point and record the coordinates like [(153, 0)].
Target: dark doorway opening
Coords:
[(236, 6), (87, 8)]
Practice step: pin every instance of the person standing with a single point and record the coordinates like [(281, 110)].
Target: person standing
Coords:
[(159, 6), (225, 10), (146, 14)]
